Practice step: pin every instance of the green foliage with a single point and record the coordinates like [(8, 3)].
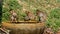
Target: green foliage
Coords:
[(55, 13), (13, 4), (54, 19)]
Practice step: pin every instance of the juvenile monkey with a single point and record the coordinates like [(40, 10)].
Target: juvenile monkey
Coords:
[(48, 31), (13, 15), (30, 16), (41, 15)]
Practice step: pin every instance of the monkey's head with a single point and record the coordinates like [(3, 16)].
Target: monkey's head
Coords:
[(27, 12), (11, 11), (38, 11), (49, 31)]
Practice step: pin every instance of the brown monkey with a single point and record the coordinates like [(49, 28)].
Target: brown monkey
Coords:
[(3, 30), (30, 16), (13, 15), (41, 15), (48, 31)]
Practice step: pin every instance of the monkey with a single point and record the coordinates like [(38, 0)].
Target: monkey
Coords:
[(41, 15), (3, 30), (13, 16), (48, 31), (30, 16)]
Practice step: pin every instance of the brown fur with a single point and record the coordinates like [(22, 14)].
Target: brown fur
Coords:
[(42, 15), (30, 16), (13, 16)]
